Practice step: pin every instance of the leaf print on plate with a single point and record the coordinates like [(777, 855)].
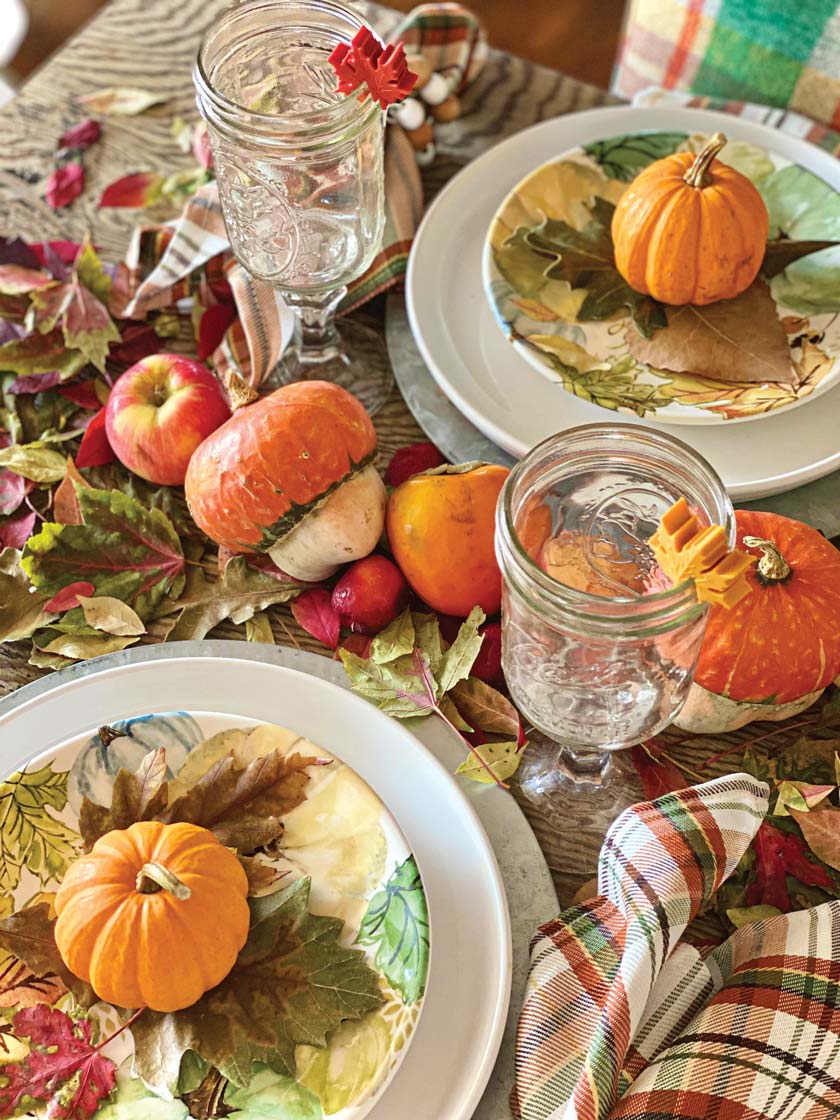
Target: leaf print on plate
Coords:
[(355, 1060), (397, 923), (31, 836), (98, 763), (271, 1097), (623, 157)]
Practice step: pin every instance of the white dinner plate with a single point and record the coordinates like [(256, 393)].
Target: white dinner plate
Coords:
[(502, 394), (454, 1047)]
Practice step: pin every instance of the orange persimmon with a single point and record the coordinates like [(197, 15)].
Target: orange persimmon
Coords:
[(441, 528)]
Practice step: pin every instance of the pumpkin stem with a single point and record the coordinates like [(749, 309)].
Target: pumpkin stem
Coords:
[(696, 174), (239, 392), (154, 877), (772, 566)]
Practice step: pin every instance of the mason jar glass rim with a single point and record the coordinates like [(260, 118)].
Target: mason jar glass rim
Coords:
[(348, 113), (666, 608)]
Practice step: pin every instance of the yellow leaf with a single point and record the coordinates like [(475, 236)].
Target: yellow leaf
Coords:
[(501, 758)]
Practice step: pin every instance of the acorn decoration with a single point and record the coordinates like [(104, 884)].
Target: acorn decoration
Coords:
[(432, 100)]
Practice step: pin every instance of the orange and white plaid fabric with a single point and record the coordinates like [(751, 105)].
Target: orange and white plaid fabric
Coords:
[(622, 1020)]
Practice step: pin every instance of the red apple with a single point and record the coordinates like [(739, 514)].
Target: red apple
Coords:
[(158, 413)]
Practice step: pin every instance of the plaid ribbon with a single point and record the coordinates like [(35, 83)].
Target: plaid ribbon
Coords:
[(622, 1020), (165, 265)]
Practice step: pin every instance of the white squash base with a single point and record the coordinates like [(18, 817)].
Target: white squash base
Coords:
[(708, 714), (346, 527)]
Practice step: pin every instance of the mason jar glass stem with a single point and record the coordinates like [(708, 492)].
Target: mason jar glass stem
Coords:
[(316, 337)]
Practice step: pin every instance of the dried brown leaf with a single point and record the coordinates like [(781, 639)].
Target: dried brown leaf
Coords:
[(485, 708), (30, 935), (739, 340), (136, 797)]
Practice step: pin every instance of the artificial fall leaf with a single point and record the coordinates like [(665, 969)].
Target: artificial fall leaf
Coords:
[(366, 62), (139, 796), (739, 340), (313, 610), (411, 460), (491, 761), (33, 461), (110, 615), (64, 185), (29, 935), (21, 611), (88, 326), (821, 829), (63, 1068), (800, 795), (141, 189), (585, 259), (292, 984), (95, 449), (243, 806), (123, 101), (16, 531), (656, 771), (66, 509), (123, 549), (16, 280), (41, 353), (81, 136), (485, 708), (238, 595), (68, 598), (778, 855)]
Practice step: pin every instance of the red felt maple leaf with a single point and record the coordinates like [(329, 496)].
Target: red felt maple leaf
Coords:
[(779, 854), (62, 1069), (366, 62)]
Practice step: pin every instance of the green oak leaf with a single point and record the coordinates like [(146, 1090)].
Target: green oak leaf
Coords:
[(30, 836), (585, 259), (292, 984), (501, 758), (123, 549), (623, 157), (397, 924)]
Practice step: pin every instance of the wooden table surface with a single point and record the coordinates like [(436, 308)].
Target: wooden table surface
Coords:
[(151, 44)]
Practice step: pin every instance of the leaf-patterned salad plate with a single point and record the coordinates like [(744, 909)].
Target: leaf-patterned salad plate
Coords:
[(553, 288), (365, 900)]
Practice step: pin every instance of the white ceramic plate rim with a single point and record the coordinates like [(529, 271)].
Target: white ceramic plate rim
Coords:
[(420, 793), (460, 375), (673, 413)]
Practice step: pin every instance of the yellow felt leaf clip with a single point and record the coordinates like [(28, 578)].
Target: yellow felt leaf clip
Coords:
[(684, 550)]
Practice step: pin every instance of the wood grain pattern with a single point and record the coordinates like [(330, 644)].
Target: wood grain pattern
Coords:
[(152, 44)]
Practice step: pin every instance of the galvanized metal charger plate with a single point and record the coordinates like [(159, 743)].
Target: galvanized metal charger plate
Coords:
[(530, 892), (817, 503)]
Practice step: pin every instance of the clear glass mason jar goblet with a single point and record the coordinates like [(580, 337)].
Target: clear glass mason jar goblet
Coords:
[(598, 649), (301, 177)]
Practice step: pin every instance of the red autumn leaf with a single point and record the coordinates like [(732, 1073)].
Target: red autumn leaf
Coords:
[(357, 643), (65, 251), (366, 62), (12, 490), (81, 136), (95, 449), (65, 184), (82, 393), (657, 773), (521, 737), (133, 191), (15, 251), (138, 341), (66, 508), (34, 383), (214, 322), (488, 665), (779, 854), (411, 460), (60, 1050), (68, 597), (201, 146), (313, 610), (16, 531), (16, 280)]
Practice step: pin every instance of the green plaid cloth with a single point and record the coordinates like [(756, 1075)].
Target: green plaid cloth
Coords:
[(624, 1021), (777, 52)]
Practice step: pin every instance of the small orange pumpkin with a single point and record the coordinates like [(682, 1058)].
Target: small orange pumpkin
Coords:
[(292, 474), (154, 915), (690, 229), (771, 655), (441, 527)]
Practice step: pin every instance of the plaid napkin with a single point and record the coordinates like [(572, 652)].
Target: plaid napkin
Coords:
[(622, 1020), (194, 259), (784, 119)]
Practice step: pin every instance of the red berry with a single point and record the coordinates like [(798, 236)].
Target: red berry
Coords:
[(370, 594), (488, 665)]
